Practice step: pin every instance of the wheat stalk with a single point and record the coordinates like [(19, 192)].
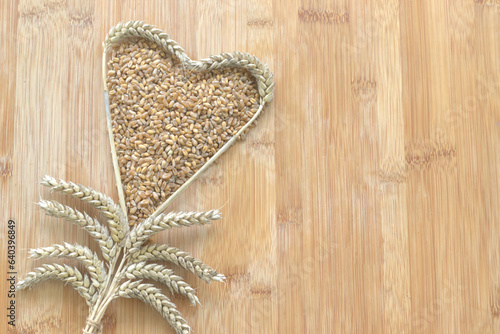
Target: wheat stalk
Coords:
[(156, 252), (103, 285)]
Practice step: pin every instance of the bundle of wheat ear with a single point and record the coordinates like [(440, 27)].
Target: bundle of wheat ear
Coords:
[(169, 118)]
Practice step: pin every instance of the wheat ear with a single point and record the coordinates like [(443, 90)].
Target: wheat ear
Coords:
[(147, 31), (157, 252), (151, 226), (90, 259), (63, 273), (154, 297), (260, 71), (117, 221), (163, 275), (92, 226)]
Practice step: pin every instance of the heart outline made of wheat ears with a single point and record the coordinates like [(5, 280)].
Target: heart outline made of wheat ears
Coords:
[(259, 70), (122, 246)]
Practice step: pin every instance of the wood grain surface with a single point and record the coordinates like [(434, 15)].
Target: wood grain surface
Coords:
[(365, 201)]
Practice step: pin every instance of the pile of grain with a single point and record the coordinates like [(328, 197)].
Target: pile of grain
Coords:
[(168, 121)]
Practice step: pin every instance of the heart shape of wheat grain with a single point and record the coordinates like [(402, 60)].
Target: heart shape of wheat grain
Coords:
[(191, 112), (126, 256)]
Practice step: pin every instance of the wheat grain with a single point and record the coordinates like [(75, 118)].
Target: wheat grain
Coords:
[(163, 275), (156, 252), (91, 261), (154, 297)]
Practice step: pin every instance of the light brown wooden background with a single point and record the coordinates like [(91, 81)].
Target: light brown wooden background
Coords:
[(366, 200)]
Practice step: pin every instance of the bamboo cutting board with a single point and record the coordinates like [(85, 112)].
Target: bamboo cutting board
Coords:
[(365, 201)]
